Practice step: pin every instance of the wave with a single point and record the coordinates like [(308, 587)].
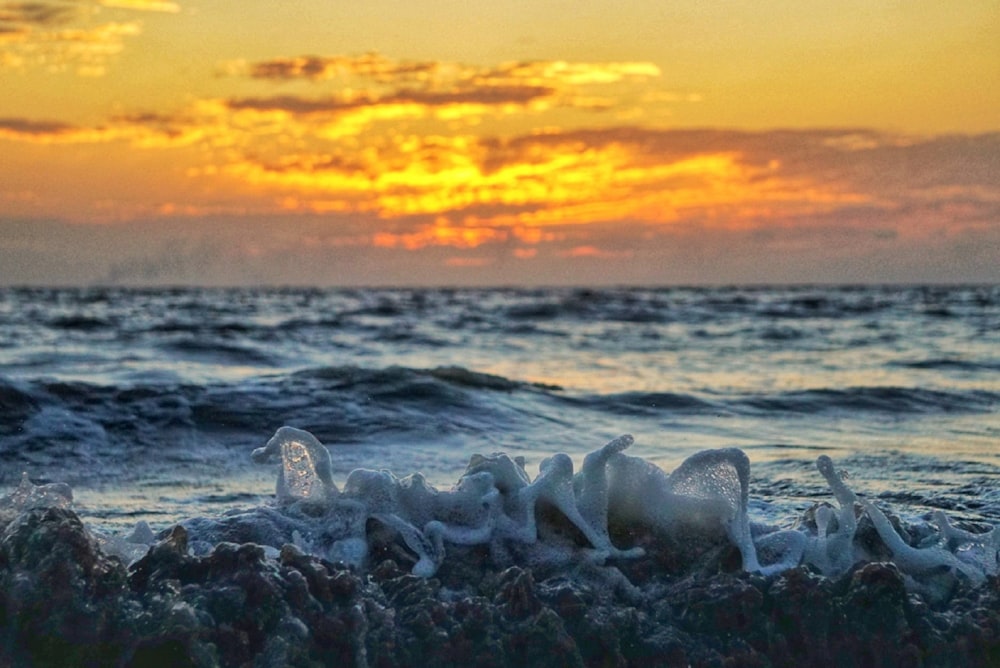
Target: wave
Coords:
[(16, 405), (948, 364), (641, 403), (393, 375), (396, 335), (625, 305), (890, 400), (81, 323), (317, 322), (121, 425), (836, 305), (352, 404), (782, 334), (220, 352), (707, 305), (345, 403), (820, 401), (100, 430)]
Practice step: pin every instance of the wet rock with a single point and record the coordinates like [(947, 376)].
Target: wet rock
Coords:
[(724, 604), (60, 597), (517, 598), (876, 600), (63, 602), (800, 617)]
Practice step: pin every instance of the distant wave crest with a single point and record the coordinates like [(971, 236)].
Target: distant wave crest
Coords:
[(892, 400)]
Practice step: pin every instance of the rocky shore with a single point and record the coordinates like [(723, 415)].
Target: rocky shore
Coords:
[(64, 602)]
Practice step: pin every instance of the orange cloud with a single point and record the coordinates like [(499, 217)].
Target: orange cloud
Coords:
[(139, 133), (58, 36), (435, 154), (558, 179), (391, 147), (297, 153), (317, 68), (54, 132), (441, 233), (468, 262), (88, 50), (18, 16), (378, 88), (442, 75), (351, 113), (595, 252), (575, 74)]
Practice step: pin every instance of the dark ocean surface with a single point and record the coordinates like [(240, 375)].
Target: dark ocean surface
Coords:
[(149, 402)]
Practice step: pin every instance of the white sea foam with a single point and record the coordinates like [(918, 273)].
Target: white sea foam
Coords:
[(496, 503)]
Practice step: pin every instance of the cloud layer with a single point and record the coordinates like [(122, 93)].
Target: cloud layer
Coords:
[(508, 171)]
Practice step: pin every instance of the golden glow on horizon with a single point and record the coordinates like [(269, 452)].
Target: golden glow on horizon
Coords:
[(519, 148)]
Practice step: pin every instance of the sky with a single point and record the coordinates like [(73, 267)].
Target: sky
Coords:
[(389, 142)]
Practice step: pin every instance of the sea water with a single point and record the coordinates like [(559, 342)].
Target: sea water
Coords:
[(149, 402)]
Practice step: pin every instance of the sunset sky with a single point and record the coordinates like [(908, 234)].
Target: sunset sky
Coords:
[(498, 143)]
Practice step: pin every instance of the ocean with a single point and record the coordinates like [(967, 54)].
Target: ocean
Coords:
[(148, 402)]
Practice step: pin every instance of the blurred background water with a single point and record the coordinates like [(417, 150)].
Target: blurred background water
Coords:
[(149, 402)]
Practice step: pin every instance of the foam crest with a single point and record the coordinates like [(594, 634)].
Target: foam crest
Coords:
[(306, 469), (560, 517), (919, 561), (715, 484), (832, 549), (497, 503)]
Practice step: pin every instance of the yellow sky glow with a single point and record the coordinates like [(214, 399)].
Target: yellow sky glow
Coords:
[(481, 127)]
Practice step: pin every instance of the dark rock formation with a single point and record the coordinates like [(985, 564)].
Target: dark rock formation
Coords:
[(64, 603)]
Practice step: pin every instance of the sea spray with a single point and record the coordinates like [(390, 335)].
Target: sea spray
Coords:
[(566, 567), (561, 518)]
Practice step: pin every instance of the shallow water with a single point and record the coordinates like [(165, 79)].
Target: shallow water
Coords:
[(149, 401)]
